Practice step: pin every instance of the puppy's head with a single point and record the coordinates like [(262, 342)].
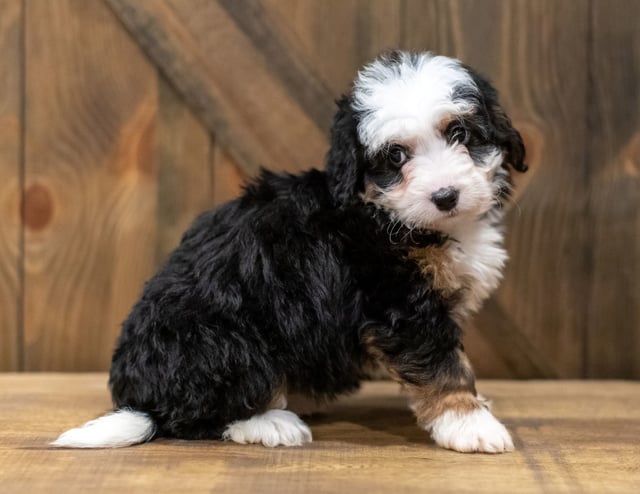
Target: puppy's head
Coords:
[(424, 138)]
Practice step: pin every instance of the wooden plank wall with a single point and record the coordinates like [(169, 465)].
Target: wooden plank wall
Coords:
[(613, 157), (10, 184), (90, 181), (219, 69), (115, 168), (137, 115)]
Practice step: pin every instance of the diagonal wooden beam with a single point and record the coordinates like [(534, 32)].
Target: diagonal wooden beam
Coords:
[(285, 60), (257, 95)]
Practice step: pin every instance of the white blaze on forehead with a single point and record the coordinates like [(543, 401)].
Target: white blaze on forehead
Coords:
[(407, 97)]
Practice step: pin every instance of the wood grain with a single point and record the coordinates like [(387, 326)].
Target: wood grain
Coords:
[(569, 436), (10, 183), (228, 176), (185, 169), (91, 182), (546, 281), (300, 79), (510, 346), (194, 172), (240, 95), (613, 337), (338, 36)]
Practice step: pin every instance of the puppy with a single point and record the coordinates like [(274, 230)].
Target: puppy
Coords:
[(304, 283)]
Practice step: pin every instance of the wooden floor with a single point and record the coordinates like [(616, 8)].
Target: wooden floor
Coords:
[(570, 437)]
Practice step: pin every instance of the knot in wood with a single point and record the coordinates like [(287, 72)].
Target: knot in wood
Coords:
[(38, 207)]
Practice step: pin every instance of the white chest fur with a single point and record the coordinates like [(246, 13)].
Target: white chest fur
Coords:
[(478, 259), (468, 265)]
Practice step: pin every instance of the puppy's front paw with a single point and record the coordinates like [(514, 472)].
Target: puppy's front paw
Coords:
[(477, 431)]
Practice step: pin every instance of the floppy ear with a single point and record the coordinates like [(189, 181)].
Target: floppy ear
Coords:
[(344, 159), (509, 138), (503, 131)]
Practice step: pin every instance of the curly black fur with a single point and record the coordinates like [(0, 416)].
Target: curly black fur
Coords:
[(278, 286), (288, 285)]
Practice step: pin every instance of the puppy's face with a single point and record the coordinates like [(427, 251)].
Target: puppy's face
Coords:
[(436, 144)]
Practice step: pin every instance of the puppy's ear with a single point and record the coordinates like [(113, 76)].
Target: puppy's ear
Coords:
[(509, 138), (502, 129), (344, 158)]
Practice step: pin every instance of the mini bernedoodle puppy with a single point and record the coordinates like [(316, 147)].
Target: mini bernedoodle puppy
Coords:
[(306, 282)]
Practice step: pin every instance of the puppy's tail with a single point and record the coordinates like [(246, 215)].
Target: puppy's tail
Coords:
[(114, 430)]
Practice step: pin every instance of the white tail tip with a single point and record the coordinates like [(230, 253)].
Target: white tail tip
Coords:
[(115, 430)]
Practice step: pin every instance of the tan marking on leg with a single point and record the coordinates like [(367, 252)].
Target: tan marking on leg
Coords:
[(428, 403), (453, 392), (467, 377), (448, 392)]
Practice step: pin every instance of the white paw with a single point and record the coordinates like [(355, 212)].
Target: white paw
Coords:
[(478, 431), (272, 428)]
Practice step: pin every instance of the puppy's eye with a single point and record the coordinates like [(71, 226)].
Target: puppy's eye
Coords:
[(397, 155), (457, 133)]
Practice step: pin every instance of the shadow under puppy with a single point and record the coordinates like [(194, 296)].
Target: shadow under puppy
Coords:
[(306, 282)]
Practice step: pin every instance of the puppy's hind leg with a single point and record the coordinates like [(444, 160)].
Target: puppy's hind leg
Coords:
[(275, 427)]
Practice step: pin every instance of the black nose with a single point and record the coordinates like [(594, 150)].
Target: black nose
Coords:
[(445, 199)]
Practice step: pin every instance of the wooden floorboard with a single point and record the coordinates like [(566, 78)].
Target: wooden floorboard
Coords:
[(571, 436)]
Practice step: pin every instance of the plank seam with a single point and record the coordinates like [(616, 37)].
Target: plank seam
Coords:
[(22, 184), (589, 132)]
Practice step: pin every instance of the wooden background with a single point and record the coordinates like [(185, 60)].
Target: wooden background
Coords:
[(121, 119)]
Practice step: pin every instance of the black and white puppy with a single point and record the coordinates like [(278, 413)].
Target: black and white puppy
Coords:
[(305, 282)]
